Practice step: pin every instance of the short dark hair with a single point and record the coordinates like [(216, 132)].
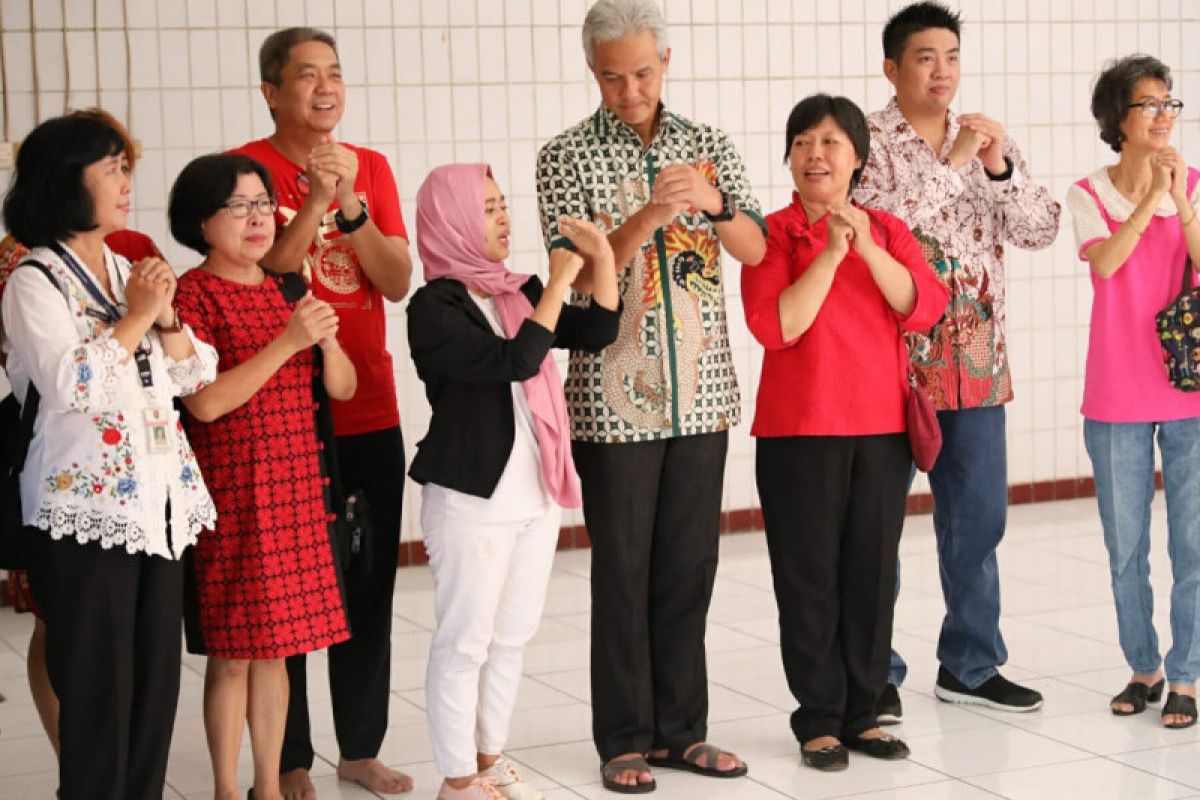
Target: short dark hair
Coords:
[(914, 19), (1113, 92), (47, 201), (97, 113), (276, 49), (202, 189), (809, 113)]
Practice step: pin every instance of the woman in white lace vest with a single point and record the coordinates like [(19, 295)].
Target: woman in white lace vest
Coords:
[(110, 491)]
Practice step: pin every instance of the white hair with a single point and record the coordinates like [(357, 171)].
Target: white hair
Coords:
[(616, 19)]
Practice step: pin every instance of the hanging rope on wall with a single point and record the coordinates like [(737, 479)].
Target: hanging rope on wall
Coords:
[(66, 60), (128, 67), (96, 46), (37, 91), (4, 80)]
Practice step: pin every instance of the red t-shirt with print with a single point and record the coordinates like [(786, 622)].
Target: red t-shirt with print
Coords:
[(333, 271)]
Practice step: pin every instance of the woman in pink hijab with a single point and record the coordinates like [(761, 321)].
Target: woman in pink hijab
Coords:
[(496, 464)]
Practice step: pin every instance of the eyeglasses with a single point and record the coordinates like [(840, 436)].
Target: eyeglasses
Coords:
[(240, 209), (1152, 108)]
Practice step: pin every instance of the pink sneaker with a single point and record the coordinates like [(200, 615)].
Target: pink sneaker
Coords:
[(509, 782), (478, 789)]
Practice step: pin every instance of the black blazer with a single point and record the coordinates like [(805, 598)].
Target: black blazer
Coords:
[(468, 371)]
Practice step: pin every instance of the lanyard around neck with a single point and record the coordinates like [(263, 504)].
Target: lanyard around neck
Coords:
[(141, 356), (85, 278)]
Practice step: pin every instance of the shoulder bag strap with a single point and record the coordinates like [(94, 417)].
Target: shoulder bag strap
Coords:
[(29, 408), (293, 287)]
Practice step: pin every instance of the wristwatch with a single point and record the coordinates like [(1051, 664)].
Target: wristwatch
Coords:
[(350, 225), (728, 209)]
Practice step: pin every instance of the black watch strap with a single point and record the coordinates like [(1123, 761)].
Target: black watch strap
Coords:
[(728, 209), (350, 225), (1002, 176)]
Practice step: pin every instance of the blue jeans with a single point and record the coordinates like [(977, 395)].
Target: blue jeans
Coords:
[(970, 508), (1123, 463)]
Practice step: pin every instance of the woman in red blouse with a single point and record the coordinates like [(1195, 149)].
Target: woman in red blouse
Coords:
[(830, 303)]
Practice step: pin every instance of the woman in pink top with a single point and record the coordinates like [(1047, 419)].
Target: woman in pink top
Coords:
[(1135, 224)]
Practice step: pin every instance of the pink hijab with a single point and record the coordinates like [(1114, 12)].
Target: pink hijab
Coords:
[(450, 240)]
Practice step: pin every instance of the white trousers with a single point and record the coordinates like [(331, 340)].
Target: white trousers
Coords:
[(489, 586)]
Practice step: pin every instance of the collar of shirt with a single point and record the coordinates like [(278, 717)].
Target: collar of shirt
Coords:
[(902, 131), (800, 226), (606, 125)]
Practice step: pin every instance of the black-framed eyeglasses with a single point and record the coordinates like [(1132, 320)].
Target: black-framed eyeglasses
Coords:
[(1152, 108), (240, 209)]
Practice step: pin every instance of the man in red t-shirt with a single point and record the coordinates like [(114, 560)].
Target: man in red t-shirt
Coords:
[(340, 225)]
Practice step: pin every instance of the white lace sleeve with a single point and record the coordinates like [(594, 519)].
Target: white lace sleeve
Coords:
[(193, 374), (1089, 222)]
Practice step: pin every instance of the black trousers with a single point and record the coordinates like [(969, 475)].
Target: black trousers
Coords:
[(112, 651), (653, 512), (833, 508), (360, 668)]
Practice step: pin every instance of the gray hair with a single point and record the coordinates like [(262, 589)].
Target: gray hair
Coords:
[(1113, 92), (277, 48), (616, 19)]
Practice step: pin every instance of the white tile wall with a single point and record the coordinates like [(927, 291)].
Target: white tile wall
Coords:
[(435, 80)]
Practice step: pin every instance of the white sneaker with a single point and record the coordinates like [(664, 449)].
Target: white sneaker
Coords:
[(509, 782), (481, 788)]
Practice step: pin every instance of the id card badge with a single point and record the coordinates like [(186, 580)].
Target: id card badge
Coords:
[(158, 437)]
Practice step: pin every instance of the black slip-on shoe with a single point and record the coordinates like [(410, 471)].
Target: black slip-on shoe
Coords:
[(888, 748), (996, 692), (833, 758)]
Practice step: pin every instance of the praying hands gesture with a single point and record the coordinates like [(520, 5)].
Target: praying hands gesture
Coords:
[(991, 146), (332, 170)]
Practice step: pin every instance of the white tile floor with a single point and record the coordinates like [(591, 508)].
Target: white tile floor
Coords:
[(1061, 634)]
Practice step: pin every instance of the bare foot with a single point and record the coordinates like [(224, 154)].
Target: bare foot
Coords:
[(296, 785), (873, 733), (374, 775)]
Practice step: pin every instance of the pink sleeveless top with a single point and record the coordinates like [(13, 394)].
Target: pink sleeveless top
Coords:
[(1125, 379)]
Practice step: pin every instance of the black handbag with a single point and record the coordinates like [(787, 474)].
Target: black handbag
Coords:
[(352, 534), (1178, 326), (16, 432)]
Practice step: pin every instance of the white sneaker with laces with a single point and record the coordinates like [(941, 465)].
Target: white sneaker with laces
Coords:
[(509, 782)]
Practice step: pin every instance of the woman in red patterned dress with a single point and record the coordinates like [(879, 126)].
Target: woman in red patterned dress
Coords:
[(265, 582)]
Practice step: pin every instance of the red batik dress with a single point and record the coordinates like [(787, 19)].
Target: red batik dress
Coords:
[(265, 581)]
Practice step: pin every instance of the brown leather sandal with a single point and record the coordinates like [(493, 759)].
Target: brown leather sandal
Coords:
[(614, 767), (676, 759)]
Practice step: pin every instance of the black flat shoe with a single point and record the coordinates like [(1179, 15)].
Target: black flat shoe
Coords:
[(833, 758), (1181, 705), (886, 747), (1137, 695)]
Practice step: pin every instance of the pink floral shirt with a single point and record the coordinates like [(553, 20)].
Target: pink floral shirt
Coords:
[(962, 218)]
